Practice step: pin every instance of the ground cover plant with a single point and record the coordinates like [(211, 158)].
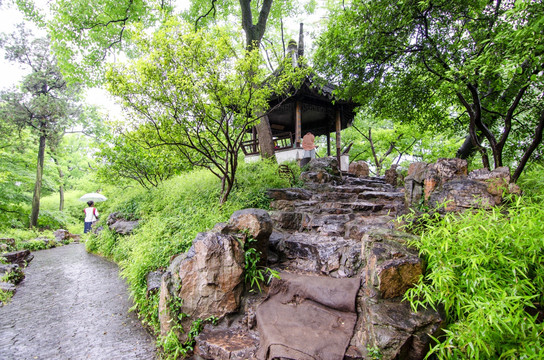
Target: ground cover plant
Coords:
[(170, 217), (484, 271)]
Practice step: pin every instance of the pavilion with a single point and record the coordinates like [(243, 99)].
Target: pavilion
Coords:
[(312, 108)]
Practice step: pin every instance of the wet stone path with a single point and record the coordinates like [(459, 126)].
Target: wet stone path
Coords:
[(72, 305)]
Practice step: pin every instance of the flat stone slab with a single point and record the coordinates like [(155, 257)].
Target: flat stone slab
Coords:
[(331, 255), (226, 344)]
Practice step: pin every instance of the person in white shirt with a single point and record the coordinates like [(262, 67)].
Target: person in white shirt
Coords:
[(91, 215)]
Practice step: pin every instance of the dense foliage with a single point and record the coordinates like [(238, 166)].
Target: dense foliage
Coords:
[(473, 65), (484, 270)]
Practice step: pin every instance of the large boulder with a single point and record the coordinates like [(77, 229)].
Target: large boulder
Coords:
[(321, 171), (359, 169), (442, 171), (462, 194), (21, 257), (206, 281), (413, 183), (257, 224)]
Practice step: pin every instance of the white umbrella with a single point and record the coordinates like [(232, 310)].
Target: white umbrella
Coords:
[(96, 197)]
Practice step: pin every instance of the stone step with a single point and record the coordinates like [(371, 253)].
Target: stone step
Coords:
[(289, 194), (357, 189), (216, 343), (381, 195), (316, 253), (370, 181)]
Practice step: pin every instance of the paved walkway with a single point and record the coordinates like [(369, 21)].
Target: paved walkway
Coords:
[(72, 305)]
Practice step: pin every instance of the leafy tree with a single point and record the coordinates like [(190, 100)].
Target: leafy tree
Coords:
[(383, 143), (43, 103), (128, 156), (197, 92), (16, 180), (465, 64)]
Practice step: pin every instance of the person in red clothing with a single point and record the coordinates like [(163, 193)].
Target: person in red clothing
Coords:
[(308, 145), (91, 215)]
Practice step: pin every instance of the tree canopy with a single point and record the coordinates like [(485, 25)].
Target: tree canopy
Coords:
[(468, 64), (43, 103), (197, 92)]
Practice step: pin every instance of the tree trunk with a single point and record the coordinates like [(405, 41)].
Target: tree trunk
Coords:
[(266, 141), (254, 35), (61, 185), (537, 139), (38, 185)]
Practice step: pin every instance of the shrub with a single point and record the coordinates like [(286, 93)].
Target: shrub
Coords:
[(485, 271)]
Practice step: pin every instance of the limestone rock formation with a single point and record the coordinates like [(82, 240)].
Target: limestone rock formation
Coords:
[(446, 186), (334, 231), (257, 224), (207, 279), (359, 169)]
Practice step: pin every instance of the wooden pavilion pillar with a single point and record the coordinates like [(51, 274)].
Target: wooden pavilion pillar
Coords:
[(328, 142), (254, 138), (298, 123), (338, 129)]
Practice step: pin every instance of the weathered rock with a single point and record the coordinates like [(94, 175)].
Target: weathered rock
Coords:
[(327, 164), (359, 169), (289, 194), (207, 279), (321, 171), (258, 224), (8, 287), (63, 236), (395, 330), (442, 171), (124, 227), (287, 220), (334, 256), (21, 257), (317, 177), (7, 244), (497, 181), (391, 175), (153, 281), (362, 225), (226, 343), (462, 194), (391, 268), (416, 171), (13, 272)]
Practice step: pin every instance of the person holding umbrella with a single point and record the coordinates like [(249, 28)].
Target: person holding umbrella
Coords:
[(91, 215)]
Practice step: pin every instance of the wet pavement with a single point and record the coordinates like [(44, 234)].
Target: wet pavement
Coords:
[(72, 305)]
